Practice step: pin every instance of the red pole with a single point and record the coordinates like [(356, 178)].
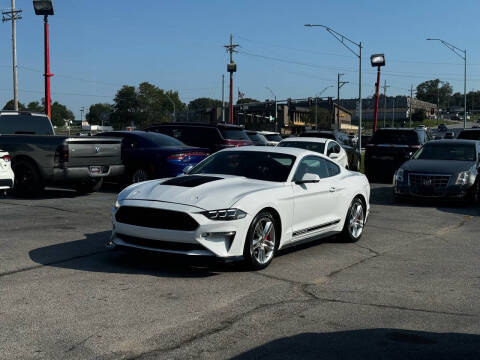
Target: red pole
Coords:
[(377, 85), (231, 97), (47, 75)]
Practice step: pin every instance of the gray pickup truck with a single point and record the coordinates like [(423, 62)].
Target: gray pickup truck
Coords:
[(40, 158)]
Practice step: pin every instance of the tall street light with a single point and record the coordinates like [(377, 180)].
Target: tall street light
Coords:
[(458, 52), (45, 8), (345, 42), (377, 60), (276, 112)]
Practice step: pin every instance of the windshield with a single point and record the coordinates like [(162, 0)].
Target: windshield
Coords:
[(397, 137), (312, 146), (251, 164), (234, 134), (460, 152), (273, 137)]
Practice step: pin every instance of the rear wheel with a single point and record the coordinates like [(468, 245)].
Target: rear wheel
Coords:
[(28, 181), (354, 222), (262, 241)]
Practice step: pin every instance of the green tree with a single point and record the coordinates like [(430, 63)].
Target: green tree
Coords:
[(10, 106), (35, 106), (125, 107), (204, 103), (98, 113), (246, 101), (60, 113), (430, 90)]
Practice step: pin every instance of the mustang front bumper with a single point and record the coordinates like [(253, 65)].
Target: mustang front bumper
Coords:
[(221, 238)]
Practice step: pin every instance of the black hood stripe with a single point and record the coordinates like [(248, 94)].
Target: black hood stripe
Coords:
[(190, 180)]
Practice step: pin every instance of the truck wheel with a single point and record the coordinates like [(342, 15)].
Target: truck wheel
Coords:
[(28, 181), (89, 186)]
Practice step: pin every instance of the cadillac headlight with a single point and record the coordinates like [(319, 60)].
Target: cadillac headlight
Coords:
[(462, 178), (398, 177), (225, 214)]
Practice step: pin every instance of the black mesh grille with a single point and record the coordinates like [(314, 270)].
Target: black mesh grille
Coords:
[(190, 181), (428, 185), (158, 244), (6, 182), (155, 218)]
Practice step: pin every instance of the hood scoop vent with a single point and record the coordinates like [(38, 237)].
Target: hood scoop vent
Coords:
[(190, 180)]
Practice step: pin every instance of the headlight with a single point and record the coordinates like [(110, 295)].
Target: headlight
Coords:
[(117, 205), (225, 214), (462, 178), (398, 175)]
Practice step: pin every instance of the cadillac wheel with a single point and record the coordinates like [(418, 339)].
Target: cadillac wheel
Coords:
[(261, 241)]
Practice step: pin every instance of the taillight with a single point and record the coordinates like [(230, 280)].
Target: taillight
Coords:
[(61, 154), (182, 156), (6, 158)]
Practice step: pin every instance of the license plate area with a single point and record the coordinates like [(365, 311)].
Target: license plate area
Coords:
[(95, 170)]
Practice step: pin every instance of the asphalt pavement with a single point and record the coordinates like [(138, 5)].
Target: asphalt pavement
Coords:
[(408, 289)]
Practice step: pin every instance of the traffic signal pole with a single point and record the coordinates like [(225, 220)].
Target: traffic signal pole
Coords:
[(48, 101)]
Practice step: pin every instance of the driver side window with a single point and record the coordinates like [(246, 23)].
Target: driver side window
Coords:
[(312, 165)]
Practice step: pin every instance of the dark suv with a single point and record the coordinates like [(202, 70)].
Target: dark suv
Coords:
[(390, 148), (469, 134), (215, 137), (354, 157)]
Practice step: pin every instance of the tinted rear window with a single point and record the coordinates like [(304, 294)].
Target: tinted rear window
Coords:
[(273, 137), (398, 137), (469, 135), (312, 146), (234, 134), (161, 139), (256, 138), (25, 124)]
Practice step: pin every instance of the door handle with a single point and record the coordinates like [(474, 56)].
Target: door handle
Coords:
[(332, 189)]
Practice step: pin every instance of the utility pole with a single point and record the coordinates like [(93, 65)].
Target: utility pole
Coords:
[(385, 87), (223, 98), (411, 99), (231, 68), (393, 114), (339, 86), (13, 15)]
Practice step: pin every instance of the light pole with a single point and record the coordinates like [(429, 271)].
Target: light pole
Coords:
[(45, 8), (342, 38), (457, 51), (438, 100), (276, 111), (377, 60)]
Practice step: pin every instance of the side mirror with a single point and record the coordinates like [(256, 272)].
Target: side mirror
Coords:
[(334, 156), (187, 169), (308, 178)]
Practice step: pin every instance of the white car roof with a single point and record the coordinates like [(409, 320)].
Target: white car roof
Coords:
[(307, 139), (274, 149)]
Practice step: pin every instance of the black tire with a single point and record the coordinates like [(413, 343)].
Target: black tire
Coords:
[(354, 221), (251, 254), (89, 186), (473, 196), (28, 181)]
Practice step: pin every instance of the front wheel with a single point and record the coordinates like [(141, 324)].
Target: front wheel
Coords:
[(354, 222), (261, 242), (473, 196)]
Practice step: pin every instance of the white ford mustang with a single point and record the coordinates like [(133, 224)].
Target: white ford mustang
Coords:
[(244, 202)]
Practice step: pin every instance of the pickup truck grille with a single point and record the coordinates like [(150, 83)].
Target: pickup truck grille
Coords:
[(155, 218), (428, 184)]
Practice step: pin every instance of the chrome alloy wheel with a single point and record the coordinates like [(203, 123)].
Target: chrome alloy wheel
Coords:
[(356, 220), (262, 246)]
